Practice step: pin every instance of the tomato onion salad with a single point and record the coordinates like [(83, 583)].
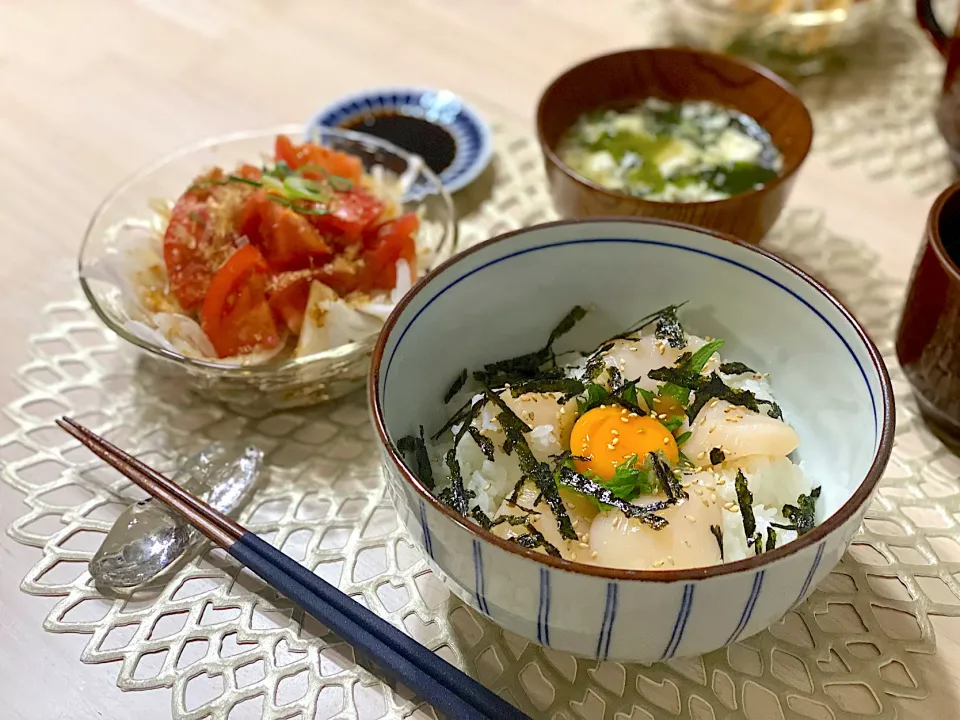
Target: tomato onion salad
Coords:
[(298, 256)]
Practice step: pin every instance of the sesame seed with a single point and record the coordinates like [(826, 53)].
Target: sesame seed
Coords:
[(712, 429), (705, 503), (615, 432), (701, 456), (698, 490), (615, 441), (586, 438), (507, 385), (586, 537), (721, 481), (563, 411), (633, 348), (713, 403), (573, 556), (583, 545), (486, 487), (670, 559), (658, 563), (734, 508), (691, 518), (662, 349), (594, 555), (623, 411), (633, 414), (666, 441), (713, 497), (624, 420), (611, 446)]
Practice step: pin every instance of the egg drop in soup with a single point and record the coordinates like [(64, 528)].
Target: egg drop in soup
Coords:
[(692, 151)]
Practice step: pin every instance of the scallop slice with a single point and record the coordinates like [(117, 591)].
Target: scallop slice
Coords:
[(635, 358), (579, 509), (738, 432), (686, 542), (550, 421)]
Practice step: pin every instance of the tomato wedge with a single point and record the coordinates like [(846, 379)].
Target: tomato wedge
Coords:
[(323, 161), (392, 241), (289, 292), (349, 215), (187, 251), (235, 314), (286, 238)]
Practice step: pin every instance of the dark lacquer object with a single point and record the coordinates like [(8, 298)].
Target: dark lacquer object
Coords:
[(948, 109), (676, 75), (928, 339)]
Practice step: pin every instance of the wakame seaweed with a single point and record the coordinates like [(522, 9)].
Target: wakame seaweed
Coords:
[(456, 387), (745, 501), (645, 513), (803, 514), (718, 534), (735, 368), (417, 446), (717, 456)]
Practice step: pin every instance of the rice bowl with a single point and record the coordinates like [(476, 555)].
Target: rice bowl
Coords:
[(825, 373)]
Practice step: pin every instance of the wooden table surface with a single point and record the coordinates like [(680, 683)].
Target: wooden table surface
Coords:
[(90, 91)]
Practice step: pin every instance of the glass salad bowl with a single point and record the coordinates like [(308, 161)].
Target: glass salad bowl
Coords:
[(135, 212)]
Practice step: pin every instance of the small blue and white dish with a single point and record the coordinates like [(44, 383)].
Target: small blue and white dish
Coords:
[(451, 137)]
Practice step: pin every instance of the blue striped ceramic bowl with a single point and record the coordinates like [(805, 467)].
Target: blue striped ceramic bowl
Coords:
[(494, 301), (473, 141)]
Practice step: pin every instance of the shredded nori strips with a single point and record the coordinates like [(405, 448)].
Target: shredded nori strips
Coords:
[(718, 534), (717, 456), (645, 513), (527, 366), (534, 539), (757, 542), (714, 387), (616, 379), (803, 514), (771, 538), (456, 387), (669, 482), (417, 446), (735, 368), (541, 473), (745, 501), (468, 410), (485, 443), (775, 412), (567, 386), (669, 328), (457, 496), (484, 521)]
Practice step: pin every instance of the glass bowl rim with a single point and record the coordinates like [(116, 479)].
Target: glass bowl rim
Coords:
[(796, 19), (450, 236)]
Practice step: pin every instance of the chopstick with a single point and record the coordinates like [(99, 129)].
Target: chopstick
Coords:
[(444, 686)]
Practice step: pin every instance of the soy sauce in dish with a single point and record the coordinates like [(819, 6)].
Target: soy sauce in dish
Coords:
[(422, 137)]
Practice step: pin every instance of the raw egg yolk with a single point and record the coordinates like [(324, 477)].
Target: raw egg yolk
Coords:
[(608, 435)]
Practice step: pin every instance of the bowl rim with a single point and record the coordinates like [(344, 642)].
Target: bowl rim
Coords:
[(456, 182), (239, 369), (804, 19), (744, 63), (862, 493)]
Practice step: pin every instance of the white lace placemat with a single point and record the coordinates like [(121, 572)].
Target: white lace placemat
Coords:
[(229, 647)]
